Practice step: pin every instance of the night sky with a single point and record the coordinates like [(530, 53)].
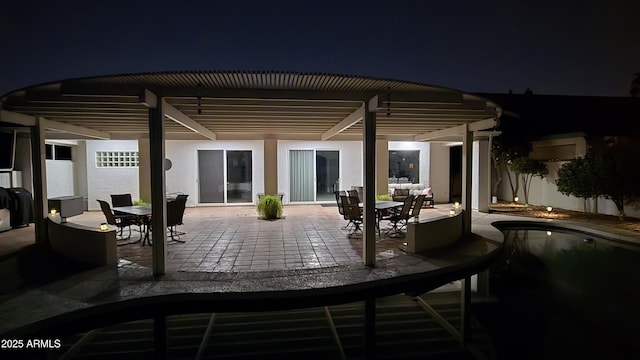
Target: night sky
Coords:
[(552, 47)]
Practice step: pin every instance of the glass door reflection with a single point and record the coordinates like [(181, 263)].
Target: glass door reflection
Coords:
[(239, 177)]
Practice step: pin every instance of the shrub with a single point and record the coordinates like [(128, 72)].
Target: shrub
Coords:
[(140, 203), (384, 197), (270, 207)]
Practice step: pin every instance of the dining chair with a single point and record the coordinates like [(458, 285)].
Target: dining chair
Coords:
[(352, 213), (338, 194), (175, 213), (181, 197), (119, 221), (126, 200), (399, 218), (353, 193), (417, 205)]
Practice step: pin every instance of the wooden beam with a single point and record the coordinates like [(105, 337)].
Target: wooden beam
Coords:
[(176, 115), (74, 129), (17, 118), (148, 99), (485, 124), (346, 123), (452, 131)]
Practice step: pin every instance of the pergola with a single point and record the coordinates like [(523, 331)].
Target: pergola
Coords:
[(269, 106)]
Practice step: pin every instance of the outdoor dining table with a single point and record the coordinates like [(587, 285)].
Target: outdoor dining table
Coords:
[(143, 213), (380, 208)]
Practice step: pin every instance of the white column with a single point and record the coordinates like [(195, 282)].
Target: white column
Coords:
[(467, 160), (481, 175), (144, 170), (40, 201), (382, 166), (270, 166)]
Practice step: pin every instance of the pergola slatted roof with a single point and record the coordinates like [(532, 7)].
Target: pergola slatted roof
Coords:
[(253, 104)]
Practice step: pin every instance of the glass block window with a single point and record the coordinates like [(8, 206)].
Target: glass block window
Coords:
[(116, 159)]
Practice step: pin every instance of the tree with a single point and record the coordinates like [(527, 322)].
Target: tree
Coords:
[(579, 178), (527, 168), (504, 151), (609, 170)]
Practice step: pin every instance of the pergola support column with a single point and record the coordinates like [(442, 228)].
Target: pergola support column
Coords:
[(382, 166), (467, 168), (369, 194), (144, 169), (271, 166), (40, 203), (158, 186)]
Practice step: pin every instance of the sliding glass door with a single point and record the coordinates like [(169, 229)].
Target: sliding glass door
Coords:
[(239, 177), (211, 176), (301, 175), (327, 174), (225, 176), (313, 175)]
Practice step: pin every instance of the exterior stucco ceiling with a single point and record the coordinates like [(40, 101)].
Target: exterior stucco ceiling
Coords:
[(245, 105)]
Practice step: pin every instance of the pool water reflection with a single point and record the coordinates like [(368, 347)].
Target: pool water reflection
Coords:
[(565, 294)]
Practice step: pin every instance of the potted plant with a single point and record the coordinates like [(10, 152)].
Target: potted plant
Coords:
[(270, 207)]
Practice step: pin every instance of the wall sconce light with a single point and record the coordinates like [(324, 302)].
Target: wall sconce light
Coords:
[(549, 209), (104, 227), (549, 233), (515, 199)]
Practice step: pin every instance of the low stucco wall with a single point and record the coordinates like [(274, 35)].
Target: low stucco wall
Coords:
[(83, 243), (434, 233)]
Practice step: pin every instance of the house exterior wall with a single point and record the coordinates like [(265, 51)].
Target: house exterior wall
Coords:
[(102, 182), (60, 178), (183, 175), (439, 172)]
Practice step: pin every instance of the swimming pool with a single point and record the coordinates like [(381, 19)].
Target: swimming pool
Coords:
[(564, 293)]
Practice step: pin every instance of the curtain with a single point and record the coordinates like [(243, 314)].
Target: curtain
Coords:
[(301, 175)]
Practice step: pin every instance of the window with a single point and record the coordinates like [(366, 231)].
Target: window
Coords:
[(48, 149), (404, 166), (57, 152), (62, 152), (116, 158)]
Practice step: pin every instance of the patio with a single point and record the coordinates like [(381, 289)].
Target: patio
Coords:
[(233, 238)]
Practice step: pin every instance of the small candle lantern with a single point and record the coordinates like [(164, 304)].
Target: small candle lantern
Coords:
[(104, 227), (452, 212)]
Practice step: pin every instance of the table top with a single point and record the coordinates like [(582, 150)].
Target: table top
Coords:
[(140, 210), (381, 205)]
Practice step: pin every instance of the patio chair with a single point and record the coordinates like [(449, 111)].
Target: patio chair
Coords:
[(417, 205), (338, 194), (352, 213), (181, 197), (353, 194), (400, 194), (399, 219), (175, 213), (119, 221), (125, 200)]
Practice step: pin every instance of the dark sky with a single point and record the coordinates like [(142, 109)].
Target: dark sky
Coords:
[(553, 47)]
